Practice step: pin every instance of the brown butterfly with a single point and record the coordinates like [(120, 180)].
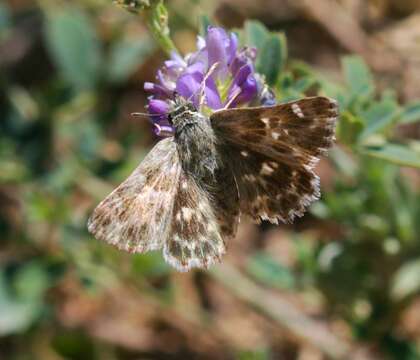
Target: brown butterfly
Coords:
[(189, 192)]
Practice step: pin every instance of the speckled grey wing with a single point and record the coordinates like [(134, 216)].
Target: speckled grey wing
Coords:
[(195, 238), (272, 152), (136, 216)]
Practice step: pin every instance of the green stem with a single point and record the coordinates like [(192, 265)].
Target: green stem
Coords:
[(155, 15), (156, 18)]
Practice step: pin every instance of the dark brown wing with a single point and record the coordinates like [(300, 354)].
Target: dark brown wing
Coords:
[(272, 151)]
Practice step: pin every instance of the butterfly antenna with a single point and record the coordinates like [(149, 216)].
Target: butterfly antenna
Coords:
[(233, 98), (201, 91), (202, 95), (140, 114), (203, 82), (147, 114)]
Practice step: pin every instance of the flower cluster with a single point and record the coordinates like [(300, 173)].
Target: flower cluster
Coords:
[(218, 69)]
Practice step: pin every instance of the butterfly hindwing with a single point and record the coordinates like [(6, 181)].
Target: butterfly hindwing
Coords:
[(195, 239), (271, 190), (272, 151), (137, 214)]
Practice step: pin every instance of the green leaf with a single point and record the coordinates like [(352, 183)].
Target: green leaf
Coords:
[(150, 264), (358, 77), (255, 33), (126, 56), (289, 87), (404, 222), (398, 154), (16, 314), (31, 281), (349, 128), (304, 84), (410, 113), (335, 91), (301, 69), (379, 116), (272, 58), (12, 168), (344, 162), (74, 47), (270, 272)]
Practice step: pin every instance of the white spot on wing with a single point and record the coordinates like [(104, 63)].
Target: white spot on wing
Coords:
[(186, 213), (297, 110), (244, 153), (266, 169), (250, 178), (275, 135), (202, 206), (266, 121)]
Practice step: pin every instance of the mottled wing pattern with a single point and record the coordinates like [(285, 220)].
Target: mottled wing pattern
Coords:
[(195, 238), (272, 151), (136, 216)]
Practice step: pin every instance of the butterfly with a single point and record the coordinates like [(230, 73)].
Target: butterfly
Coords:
[(188, 194)]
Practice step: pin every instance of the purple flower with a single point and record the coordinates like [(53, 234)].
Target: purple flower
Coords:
[(224, 73)]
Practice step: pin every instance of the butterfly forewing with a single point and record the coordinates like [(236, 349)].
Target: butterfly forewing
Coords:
[(137, 214), (272, 151)]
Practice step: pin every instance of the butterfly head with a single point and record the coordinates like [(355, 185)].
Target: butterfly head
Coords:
[(182, 110)]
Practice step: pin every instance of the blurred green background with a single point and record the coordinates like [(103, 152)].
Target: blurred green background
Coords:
[(342, 282)]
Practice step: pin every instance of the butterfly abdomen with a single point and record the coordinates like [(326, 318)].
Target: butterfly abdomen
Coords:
[(196, 145)]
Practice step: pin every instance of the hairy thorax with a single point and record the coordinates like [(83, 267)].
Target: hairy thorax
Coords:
[(196, 144)]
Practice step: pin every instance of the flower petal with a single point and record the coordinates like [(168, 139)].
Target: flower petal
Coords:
[(244, 87), (232, 48), (217, 42), (178, 59), (156, 89), (245, 56), (196, 69), (188, 86), (158, 109), (185, 75), (166, 79), (212, 100), (242, 74), (163, 130), (249, 90)]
